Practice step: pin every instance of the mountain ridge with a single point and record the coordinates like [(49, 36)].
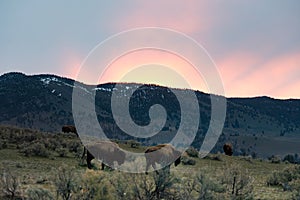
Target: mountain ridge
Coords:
[(69, 78), (44, 102)]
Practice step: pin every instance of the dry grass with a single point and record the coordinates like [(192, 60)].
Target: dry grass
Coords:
[(38, 172)]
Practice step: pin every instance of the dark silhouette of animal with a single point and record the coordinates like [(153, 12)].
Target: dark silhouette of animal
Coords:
[(72, 129), (106, 151), (163, 154), (69, 129), (227, 148)]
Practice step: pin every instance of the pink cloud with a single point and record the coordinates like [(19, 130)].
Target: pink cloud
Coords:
[(245, 67), (249, 75), (236, 65)]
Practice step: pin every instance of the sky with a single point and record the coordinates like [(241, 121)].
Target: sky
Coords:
[(255, 44)]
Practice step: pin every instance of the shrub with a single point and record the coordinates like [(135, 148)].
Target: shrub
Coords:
[(192, 152), (133, 143), (94, 185), (206, 187), (247, 158), (74, 146), (62, 152), (39, 194), (274, 179), (238, 182), (198, 186), (214, 157), (188, 161), (10, 184), (284, 177), (53, 144), (35, 149), (186, 188), (3, 144), (163, 182), (295, 185), (41, 180), (290, 158), (142, 188), (121, 186), (65, 182), (156, 185), (275, 159)]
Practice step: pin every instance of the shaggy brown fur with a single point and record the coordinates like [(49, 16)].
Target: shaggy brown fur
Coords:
[(228, 149), (163, 154), (107, 152)]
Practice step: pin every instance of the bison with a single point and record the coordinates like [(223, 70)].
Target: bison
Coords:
[(228, 149), (69, 129), (107, 152), (162, 154)]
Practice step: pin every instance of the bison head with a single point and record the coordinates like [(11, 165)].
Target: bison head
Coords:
[(228, 149)]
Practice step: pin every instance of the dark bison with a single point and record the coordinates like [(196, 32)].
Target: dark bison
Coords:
[(107, 152), (163, 154), (228, 149), (69, 129)]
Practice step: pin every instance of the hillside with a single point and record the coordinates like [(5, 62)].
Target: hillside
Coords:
[(253, 125), (44, 165)]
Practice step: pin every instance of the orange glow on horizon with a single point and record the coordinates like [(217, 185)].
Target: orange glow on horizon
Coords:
[(123, 66), (72, 63), (246, 75), (243, 75)]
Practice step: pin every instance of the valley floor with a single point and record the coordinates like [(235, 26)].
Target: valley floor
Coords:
[(44, 174)]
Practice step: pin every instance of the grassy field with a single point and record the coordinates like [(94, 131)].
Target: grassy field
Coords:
[(39, 170)]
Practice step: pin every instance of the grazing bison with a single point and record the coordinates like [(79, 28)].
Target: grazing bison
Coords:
[(228, 149), (72, 129), (163, 154), (107, 152), (69, 129)]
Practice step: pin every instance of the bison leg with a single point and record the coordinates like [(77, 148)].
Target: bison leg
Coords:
[(177, 161), (107, 164), (167, 169), (89, 158), (89, 164), (147, 166)]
